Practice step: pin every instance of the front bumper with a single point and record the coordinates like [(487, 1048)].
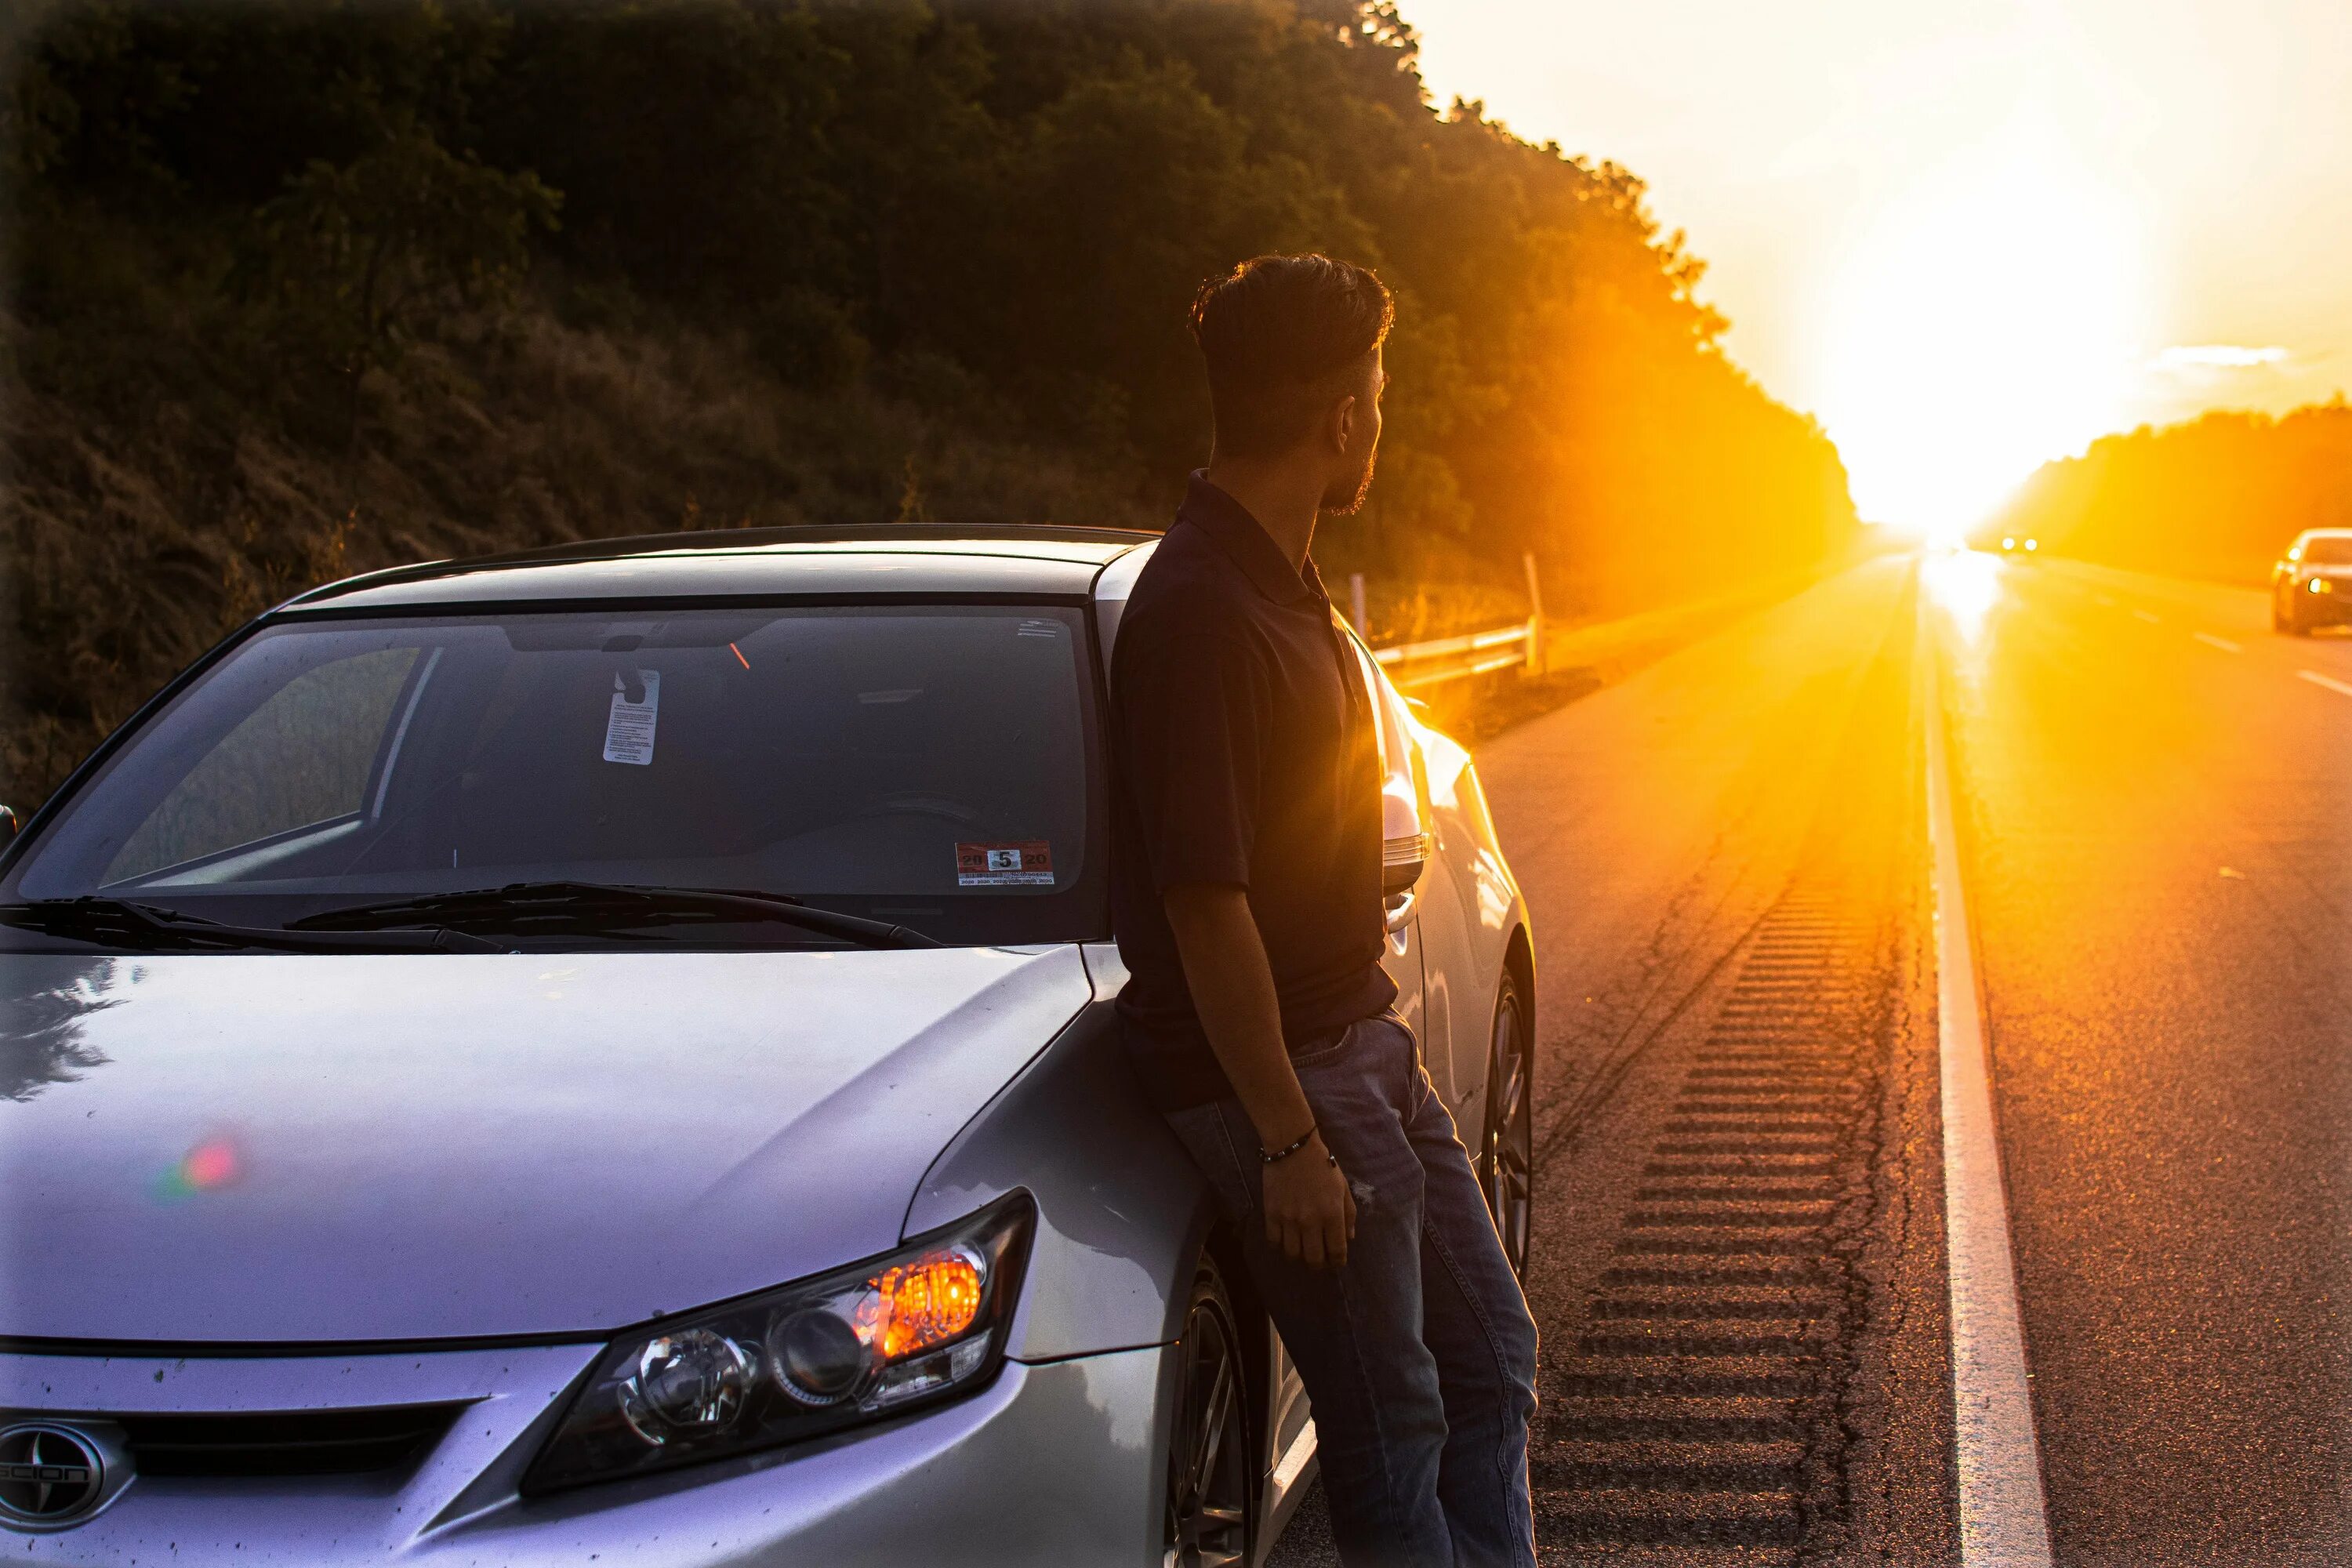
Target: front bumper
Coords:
[(1050, 1463)]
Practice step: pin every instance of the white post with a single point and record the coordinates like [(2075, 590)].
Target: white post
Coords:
[(1535, 615), (1355, 605)]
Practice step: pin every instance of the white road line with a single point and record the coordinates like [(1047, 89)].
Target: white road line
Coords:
[(2332, 684), (2209, 640), (2106, 599), (2151, 620), (2003, 1519)]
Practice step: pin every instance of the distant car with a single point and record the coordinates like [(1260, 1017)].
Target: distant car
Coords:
[(608, 1052), (2312, 586), (2023, 548)]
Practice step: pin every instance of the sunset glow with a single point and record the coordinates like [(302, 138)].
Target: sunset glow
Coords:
[(1969, 238), (1985, 321)]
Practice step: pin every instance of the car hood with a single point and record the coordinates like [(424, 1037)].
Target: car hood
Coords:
[(303, 1147)]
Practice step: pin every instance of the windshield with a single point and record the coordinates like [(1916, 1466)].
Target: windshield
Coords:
[(921, 764), (2328, 549)]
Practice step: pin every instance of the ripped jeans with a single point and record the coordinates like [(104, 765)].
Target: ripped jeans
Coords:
[(1420, 1356)]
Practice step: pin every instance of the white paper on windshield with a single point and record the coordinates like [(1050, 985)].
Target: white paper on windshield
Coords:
[(629, 728)]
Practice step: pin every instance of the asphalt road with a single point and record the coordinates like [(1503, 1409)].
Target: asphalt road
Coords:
[(1739, 1245), (2157, 805)]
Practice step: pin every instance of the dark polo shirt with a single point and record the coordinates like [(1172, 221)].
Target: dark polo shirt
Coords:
[(1246, 755)]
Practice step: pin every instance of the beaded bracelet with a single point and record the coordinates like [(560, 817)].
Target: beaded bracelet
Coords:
[(1288, 1150)]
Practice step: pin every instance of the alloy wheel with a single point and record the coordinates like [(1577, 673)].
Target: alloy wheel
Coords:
[(1209, 1450), (1507, 1159)]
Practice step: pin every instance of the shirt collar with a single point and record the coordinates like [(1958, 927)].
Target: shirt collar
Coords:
[(1230, 526)]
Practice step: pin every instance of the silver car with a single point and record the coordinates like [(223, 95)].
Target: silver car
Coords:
[(608, 1053)]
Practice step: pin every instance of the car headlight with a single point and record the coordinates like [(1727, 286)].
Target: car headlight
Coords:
[(2320, 585), (924, 1323)]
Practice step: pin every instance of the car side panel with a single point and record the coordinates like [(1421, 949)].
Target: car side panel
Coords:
[(1471, 906), (1121, 1210)]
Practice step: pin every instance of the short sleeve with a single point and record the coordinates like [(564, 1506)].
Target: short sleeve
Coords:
[(1191, 714)]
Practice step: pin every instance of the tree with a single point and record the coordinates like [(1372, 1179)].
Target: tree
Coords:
[(359, 256)]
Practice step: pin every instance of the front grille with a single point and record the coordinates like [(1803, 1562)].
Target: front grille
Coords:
[(282, 1442)]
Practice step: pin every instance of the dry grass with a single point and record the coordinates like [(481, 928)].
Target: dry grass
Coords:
[(133, 544)]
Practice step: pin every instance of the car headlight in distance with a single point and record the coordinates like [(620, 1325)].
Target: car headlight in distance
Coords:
[(924, 1323), (2321, 585)]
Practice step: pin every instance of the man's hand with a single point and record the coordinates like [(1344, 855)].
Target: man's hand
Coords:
[(1309, 1212)]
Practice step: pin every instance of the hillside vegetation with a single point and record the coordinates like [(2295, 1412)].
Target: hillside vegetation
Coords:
[(2216, 497), (303, 288)]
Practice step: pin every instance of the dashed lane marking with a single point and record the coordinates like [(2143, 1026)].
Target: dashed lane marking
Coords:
[(2004, 1520), (2209, 640), (2153, 620), (2332, 684)]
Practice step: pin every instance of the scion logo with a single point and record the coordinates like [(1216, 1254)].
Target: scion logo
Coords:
[(48, 1475)]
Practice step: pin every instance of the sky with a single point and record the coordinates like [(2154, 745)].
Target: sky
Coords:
[(1971, 236)]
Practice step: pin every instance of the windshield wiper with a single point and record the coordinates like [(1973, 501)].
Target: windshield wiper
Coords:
[(147, 928), (566, 908)]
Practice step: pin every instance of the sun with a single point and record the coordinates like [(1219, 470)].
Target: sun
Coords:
[(1986, 318)]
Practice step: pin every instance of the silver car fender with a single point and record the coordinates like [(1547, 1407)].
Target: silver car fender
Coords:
[(1122, 1212)]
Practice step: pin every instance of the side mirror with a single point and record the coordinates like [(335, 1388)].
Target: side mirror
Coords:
[(1404, 848)]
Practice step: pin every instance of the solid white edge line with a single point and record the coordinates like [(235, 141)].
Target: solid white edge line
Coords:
[(2209, 640), (2003, 1519), (2316, 679)]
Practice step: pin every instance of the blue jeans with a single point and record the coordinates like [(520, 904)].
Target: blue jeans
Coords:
[(1419, 1355)]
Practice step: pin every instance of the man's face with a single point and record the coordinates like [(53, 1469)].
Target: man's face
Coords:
[(1354, 481)]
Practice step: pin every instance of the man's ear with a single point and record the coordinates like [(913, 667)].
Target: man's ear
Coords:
[(1340, 426)]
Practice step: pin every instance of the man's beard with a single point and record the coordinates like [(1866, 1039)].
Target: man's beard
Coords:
[(1345, 495)]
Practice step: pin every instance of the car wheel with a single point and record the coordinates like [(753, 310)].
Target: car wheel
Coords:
[(2278, 612), (1208, 1446), (2296, 625), (1506, 1154)]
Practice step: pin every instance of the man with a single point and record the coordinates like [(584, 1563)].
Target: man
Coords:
[(1247, 900)]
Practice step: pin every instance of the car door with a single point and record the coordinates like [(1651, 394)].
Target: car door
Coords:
[(1405, 805)]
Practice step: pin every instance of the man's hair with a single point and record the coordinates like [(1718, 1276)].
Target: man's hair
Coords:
[(1280, 334)]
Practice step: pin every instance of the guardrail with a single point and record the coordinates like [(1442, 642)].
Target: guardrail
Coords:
[(1416, 666)]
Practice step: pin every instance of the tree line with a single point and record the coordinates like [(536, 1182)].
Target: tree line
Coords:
[(2218, 496), (303, 286)]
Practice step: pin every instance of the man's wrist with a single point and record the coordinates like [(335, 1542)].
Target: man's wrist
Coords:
[(1275, 1154)]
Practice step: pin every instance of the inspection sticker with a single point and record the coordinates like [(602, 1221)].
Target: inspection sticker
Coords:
[(1024, 864), (629, 728)]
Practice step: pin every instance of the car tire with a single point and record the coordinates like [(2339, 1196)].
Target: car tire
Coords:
[(1210, 1516), (2278, 612), (1507, 1144), (2296, 626)]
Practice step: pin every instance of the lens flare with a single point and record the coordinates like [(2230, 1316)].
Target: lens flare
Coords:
[(212, 1164), (1965, 586)]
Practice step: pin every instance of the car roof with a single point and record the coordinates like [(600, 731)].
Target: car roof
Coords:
[(2310, 533), (1016, 561)]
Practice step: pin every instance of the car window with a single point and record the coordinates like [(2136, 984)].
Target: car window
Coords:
[(298, 759), (2327, 551), (924, 764)]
